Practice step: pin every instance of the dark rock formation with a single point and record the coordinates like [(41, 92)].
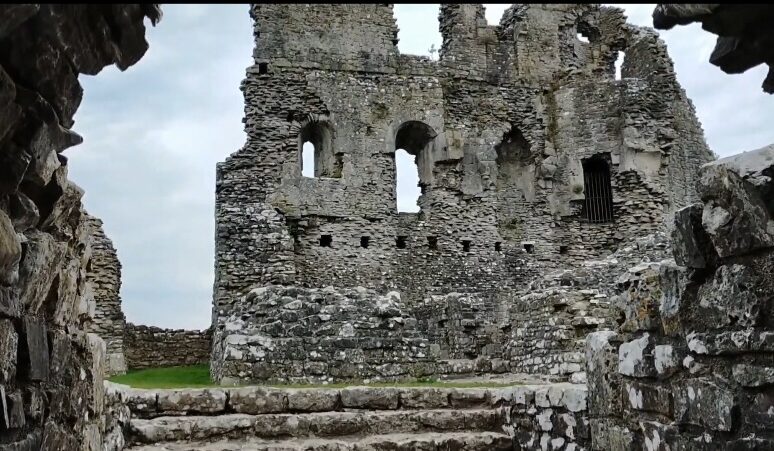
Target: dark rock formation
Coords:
[(745, 34), (51, 372)]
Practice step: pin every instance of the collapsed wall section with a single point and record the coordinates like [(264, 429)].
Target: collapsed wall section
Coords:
[(103, 275), (512, 145)]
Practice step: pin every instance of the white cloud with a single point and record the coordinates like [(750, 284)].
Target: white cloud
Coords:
[(154, 133)]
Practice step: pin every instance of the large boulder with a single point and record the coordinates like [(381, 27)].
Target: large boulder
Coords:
[(738, 195)]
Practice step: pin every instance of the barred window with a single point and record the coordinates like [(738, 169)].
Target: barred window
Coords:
[(598, 203)]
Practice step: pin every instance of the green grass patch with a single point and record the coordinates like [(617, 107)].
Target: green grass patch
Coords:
[(198, 376)]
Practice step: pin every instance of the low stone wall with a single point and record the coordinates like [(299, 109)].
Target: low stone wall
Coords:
[(691, 366), (290, 333), (150, 347), (527, 417)]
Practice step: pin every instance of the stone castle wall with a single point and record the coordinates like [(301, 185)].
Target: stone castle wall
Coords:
[(103, 274), (51, 368), (500, 126), (691, 365), (154, 347)]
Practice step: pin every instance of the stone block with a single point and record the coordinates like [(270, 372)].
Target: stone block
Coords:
[(735, 191), (200, 401), (691, 245), (641, 296), (753, 375), (42, 261), (647, 397), (734, 296), (760, 414), (9, 342), (301, 400), (15, 409), (666, 360), (703, 402), (61, 355), (377, 398), (609, 436), (674, 298), (10, 251), (33, 352), (257, 400), (431, 398), (602, 373), (658, 436), (468, 397), (9, 302), (142, 403), (635, 357)]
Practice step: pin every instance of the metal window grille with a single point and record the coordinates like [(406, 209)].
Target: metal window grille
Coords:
[(598, 205)]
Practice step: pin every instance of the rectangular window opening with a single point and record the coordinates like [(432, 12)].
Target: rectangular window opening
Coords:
[(364, 240), (263, 68), (529, 248), (326, 240), (432, 242), (466, 245), (400, 242), (563, 249), (498, 246), (597, 190)]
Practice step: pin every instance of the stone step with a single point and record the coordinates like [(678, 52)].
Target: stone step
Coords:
[(320, 424), (428, 441)]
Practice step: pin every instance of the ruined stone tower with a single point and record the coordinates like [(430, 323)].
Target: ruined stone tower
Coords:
[(531, 156)]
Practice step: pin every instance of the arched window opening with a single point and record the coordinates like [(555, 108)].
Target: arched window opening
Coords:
[(407, 187), (413, 163), (619, 64), (316, 155), (513, 156), (307, 159), (598, 191)]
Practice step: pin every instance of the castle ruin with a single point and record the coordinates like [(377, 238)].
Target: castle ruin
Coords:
[(531, 157)]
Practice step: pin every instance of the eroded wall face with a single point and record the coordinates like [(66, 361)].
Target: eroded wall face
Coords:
[(492, 215), (690, 367), (51, 368)]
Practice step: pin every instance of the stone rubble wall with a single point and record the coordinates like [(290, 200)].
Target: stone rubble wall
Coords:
[(294, 334), (51, 367), (691, 366), (537, 417), (513, 110), (154, 347), (103, 274)]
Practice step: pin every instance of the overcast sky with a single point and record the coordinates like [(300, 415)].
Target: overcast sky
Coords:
[(153, 134)]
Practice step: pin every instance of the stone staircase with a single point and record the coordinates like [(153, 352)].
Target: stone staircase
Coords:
[(351, 419)]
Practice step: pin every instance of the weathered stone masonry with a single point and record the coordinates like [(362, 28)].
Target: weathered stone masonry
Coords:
[(51, 369), (501, 126), (103, 276), (154, 347)]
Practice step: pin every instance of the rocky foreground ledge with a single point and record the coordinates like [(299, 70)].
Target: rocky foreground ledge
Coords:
[(548, 416)]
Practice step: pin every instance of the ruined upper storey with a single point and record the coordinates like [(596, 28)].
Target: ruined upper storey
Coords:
[(532, 43)]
